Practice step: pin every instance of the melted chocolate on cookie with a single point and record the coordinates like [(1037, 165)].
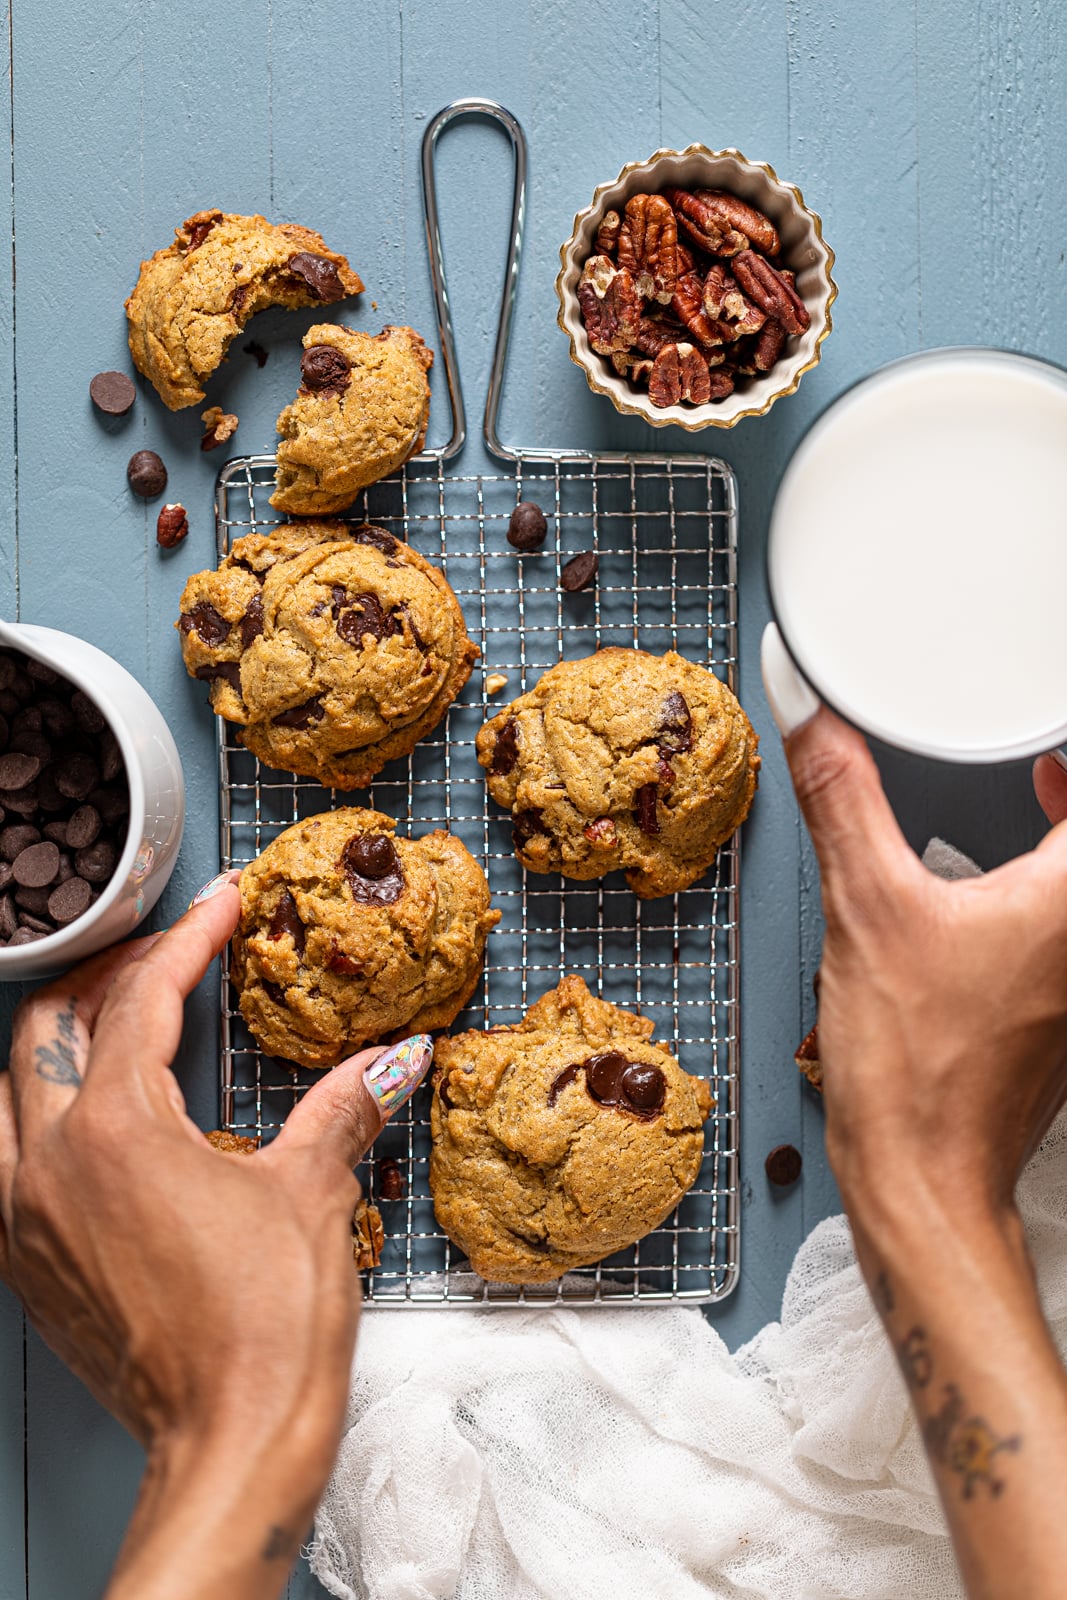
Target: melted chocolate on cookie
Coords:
[(371, 863)]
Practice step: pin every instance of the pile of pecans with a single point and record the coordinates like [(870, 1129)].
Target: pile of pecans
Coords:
[(682, 294)]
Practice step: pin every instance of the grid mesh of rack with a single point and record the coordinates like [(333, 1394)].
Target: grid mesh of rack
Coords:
[(664, 530)]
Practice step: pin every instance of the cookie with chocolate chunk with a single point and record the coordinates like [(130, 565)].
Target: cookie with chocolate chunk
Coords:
[(193, 298), (334, 648), (623, 760), (361, 411), (562, 1139), (350, 935)]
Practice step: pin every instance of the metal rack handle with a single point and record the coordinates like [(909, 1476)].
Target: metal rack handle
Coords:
[(492, 111)]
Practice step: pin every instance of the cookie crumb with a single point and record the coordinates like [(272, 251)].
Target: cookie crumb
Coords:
[(495, 682), (219, 426)]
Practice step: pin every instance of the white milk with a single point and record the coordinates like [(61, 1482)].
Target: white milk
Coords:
[(918, 555)]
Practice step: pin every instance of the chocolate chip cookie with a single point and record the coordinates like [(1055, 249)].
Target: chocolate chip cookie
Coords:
[(335, 648), (562, 1139), (623, 760), (361, 410), (195, 296), (349, 935)]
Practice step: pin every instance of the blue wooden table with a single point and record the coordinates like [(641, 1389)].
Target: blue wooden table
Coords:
[(932, 137)]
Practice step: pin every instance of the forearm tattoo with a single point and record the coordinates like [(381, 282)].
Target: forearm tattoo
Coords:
[(281, 1544), (963, 1444), (57, 1061)]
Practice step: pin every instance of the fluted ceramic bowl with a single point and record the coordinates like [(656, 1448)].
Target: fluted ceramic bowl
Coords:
[(804, 251)]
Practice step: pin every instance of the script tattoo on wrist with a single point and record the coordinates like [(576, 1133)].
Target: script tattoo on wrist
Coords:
[(57, 1061), (281, 1544)]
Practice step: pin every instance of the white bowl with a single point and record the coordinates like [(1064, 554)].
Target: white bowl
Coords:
[(804, 251), (157, 802)]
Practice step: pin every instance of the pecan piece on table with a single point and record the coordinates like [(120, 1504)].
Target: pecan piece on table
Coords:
[(611, 308), (607, 235), (704, 223), (771, 291), (681, 372), (807, 1058), (648, 246)]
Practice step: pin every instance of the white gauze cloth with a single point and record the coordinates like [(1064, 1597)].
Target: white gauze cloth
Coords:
[(625, 1454)]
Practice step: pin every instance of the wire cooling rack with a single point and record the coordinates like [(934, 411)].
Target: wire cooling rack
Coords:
[(664, 532)]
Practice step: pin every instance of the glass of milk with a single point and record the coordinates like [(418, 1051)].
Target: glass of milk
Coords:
[(918, 555)]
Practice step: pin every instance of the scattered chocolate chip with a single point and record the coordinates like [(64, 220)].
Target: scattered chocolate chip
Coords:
[(635, 1086), (69, 900), (16, 838), (82, 829), (783, 1165), (526, 825), (367, 533), (24, 936), (9, 919), (275, 990), (112, 802), (23, 802), (506, 749), (113, 393), (36, 865), (86, 714), (32, 899), (579, 571), (96, 863), (560, 1082), (6, 874), (371, 863), (390, 1180), (644, 1086), (303, 715), (172, 525), (238, 301), (676, 724), (252, 621), (645, 807), (111, 763), (211, 626), (17, 770), (527, 527), (257, 352), (286, 920), (77, 777), (66, 868), (228, 671), (319, 274), (324, 370), (56, 831), (146, 474), (55, 715), (33, 744)]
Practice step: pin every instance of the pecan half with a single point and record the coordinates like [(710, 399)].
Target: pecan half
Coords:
[(771, 291), (679, 373), (687, 303), (631, 364), (734, 214), (807, 1058), (686, 259), (607, 235), (656, 333), (601, 833), (648, 246), (768, 346), (722, 299), (611, 309), (704, 223)]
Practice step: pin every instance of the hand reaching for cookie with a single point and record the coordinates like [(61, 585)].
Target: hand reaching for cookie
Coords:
[(208, 1300)]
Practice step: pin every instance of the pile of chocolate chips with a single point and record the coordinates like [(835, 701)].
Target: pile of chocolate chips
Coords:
[(64, 801)]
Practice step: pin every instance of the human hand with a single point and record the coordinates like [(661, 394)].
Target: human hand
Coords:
[(208, 1300), (942, 1006)]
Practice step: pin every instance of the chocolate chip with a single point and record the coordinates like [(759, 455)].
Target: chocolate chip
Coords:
[(33, 899), (371, 863), (39, 924), (527, 527), (28, 718), (506, 749), (286, 920), (36, 865), (57, 717), (324, 370), (113, 393), (199, 232), (257, 352), (526, 825), (783, 1165), (636, 1086), (367, 533), (17, 770), (66, 869), (77, 777), (275, 990), (6, 874), (644, 1087), (69, 900), (252, 621), (361, 614), (112, 801), (82, 829), (146, 474), (23, 802), (111, 762), (303, 715), (32, 744), (603, 1075), (56, 831), (96, 863), (16, 838), (86, 713), (208, 623), (48, 796), (645, 805), (390, 1180), (25, 936), (228, 671), (560, 1082), (319, 274), (579, 572), (676, 724), (9, 920)]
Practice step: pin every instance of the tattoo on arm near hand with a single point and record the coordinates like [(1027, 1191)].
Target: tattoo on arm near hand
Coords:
[(883, 1293), (57, 1061), (281, 1545)]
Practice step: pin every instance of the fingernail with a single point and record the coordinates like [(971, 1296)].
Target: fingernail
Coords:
[(397, 1073), (792, 701), (1060, 758), (214, 885)]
